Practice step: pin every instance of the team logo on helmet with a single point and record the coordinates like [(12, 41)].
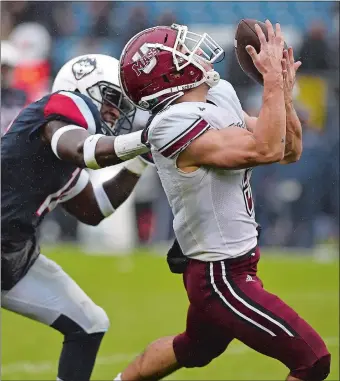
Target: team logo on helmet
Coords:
[(83, 67), (144, 60)]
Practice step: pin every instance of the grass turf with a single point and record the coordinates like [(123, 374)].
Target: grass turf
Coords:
[(145, 301)]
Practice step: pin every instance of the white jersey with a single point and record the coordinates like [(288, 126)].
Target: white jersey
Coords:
[(213, 208), (140, 120)]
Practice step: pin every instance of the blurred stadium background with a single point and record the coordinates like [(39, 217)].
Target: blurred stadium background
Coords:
[(121, 262)]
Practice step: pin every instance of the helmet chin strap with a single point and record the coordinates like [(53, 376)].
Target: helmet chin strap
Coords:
[(212, 78)]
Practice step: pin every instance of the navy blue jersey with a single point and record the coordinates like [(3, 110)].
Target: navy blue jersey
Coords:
[(33, 179)]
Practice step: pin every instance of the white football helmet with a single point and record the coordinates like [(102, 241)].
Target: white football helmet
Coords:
[(96, 75), (9, 54), (10, 57)]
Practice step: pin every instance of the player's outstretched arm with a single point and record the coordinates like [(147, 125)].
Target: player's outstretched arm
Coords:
[(293, 144), (233, 147), (236, 148), (229, 148), (74, 144), (293, 149), (96, 202)]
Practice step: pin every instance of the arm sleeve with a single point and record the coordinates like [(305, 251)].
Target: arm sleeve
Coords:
[(175, 131)]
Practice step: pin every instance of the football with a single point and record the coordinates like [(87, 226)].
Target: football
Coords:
[(246, 35)]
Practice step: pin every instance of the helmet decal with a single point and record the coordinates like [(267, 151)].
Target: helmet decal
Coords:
[(83, 67), (144, 60), (96, 76)]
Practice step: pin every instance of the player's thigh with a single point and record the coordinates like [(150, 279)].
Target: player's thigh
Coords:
[(261, 320), (202, 341), (46, 292), (200, 329)]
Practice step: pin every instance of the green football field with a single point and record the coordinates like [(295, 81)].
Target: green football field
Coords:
[(145, 301)]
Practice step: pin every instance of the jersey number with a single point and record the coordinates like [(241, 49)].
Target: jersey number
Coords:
[(247, 194)]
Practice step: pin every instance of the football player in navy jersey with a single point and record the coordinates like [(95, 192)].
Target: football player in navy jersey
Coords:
[(44, 152)]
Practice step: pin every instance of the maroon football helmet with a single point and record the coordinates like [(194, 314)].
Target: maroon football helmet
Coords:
[(159, 63)]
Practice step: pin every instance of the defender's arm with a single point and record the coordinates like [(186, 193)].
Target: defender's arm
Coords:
[(74, 144), (94, 203)]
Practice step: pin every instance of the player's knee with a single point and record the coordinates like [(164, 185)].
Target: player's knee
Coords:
[(317, 372), (99, 320), (320, 369), (192, 353), (92, 319)]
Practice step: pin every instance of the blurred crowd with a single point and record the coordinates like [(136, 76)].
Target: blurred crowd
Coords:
[(298, 204)]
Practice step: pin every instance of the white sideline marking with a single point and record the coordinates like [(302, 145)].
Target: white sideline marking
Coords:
[(48, 366)]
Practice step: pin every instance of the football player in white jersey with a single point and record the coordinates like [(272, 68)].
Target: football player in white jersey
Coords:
[(204, 147)]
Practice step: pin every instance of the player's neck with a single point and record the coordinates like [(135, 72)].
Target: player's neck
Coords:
[(198, 94)]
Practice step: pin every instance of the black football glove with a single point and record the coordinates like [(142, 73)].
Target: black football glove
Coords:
[(259, 230), (177, 261)]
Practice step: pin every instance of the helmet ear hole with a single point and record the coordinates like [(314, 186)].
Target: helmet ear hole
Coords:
[(177, 74)]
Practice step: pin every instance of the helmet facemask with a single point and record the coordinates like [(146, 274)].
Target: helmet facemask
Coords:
[(106, 93), (193, 48)]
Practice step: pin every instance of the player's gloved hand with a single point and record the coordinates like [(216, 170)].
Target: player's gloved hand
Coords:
[(259, 230), (177, 261)]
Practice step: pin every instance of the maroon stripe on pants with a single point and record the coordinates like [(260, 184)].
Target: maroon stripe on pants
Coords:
[(212, 325)]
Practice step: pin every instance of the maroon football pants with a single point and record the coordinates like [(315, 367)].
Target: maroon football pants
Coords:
[(228, 301)]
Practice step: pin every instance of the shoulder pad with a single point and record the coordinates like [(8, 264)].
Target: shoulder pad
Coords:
[(170, 133), (75, 108)]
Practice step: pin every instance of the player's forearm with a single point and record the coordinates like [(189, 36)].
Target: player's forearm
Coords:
[(270, 128), (98, 201), (119, 188), (106, 198), (293, 147), (110, 150), (73, 148), (114, 192), (75, 145)]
